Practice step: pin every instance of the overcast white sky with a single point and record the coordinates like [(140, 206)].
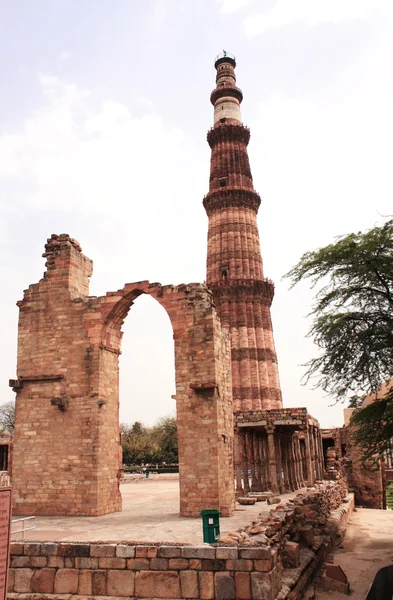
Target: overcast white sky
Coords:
[(104, 109)]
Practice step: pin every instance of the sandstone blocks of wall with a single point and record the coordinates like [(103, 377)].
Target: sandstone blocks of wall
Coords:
[(67, 442), (279, 568), (143, 571)]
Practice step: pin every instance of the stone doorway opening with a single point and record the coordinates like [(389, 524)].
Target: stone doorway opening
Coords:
[(147, 385)]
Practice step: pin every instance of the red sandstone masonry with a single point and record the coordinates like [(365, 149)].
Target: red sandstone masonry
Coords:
[(67, 462), (244, 571), (234, 262)]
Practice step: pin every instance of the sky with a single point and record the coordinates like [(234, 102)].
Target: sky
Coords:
[(104, 110)]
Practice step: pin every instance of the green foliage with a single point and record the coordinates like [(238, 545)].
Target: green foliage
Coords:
[(374, 427), (353, 314), (7, 416), (157, 444)]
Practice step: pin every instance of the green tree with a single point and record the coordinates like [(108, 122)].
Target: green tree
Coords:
[(137, 444), (165, 434), (7, 416), (353, 320), (142, 444)]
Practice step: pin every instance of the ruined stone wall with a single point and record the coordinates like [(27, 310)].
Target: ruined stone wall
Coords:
[(278, 566), (67, 441)]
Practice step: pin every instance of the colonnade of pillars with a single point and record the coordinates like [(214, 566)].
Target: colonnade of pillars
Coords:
[(279, 459)]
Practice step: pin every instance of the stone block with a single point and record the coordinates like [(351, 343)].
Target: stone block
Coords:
[(84, 562), (49, 549), (43, 581), (146, 552), (66, 549), (11, 580), (169, 551), (138, 564), (196, 564), (226, 553), (32, 549), (306, 535), (112, 563), (263, 565), (213, 565), (177, 564), (291, 555), (206, 585), (16, 548), (198, 552), (246, 501), (243, 586), (38, 561), (189, 584), (157, 584), (99, 583), (85, 587), (123, 551), (159, 564), (20, 561), (273, 500), (22, 583), (104, 550), (224, 585), (239, 565), (258, 553), (66, 581), (56, 562), (74, 550), (264, 585), (120, 583)]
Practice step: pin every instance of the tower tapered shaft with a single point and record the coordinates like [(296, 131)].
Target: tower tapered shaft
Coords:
[(234, 263)]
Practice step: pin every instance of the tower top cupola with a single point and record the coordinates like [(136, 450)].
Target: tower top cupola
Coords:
[(226, 98)]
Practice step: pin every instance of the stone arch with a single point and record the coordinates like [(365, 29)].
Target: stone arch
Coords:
[(67, 448)]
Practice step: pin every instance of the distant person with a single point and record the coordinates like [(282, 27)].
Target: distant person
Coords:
[(382, 587)]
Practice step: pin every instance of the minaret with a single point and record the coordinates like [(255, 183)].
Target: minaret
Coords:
[(234, 263)]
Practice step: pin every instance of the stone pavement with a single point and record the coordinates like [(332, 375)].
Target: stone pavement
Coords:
[(367, 548), (150, 514)]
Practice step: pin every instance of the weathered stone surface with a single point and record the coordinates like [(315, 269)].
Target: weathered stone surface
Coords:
[(22, 582), (43, 581), (120, 583), (156, 584), (246, 500), (66, 581), (189, 584), (224, 586), (243, 586), (206, 585)]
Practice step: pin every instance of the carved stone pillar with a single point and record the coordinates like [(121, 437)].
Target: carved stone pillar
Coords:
[(309, 457), (298, 460), (257, 487), (272, 460), (237, 463), (265, 464), (246, 464)]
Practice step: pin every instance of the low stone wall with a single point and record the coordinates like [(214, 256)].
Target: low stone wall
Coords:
[(275, 558)]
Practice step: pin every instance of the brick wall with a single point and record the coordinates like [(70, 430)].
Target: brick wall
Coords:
[(67, 461), (280, 567)]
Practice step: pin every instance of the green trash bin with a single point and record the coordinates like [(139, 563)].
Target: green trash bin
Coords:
[(211, 525)]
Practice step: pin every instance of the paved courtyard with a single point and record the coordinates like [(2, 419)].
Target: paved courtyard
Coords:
[(150, 514)]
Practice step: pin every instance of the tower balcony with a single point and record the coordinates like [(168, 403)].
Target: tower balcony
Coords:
[(226, 89)]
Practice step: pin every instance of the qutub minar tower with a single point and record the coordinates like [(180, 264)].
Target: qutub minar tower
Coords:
[(234, 263)]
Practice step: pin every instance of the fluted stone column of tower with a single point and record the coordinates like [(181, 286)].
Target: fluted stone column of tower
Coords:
[(234, 263)]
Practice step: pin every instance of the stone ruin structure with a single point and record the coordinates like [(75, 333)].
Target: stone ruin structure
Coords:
[(231, 424)]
